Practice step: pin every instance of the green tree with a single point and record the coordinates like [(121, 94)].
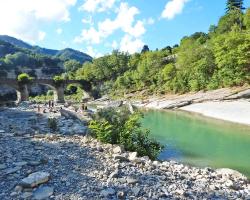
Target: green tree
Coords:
[(145, 49), (247, 19), (24, 78), (58, 80), (228, 21), (71, 65), (232, 53), (234, 5)]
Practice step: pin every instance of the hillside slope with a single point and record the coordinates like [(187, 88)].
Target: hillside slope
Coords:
[(65, 54)]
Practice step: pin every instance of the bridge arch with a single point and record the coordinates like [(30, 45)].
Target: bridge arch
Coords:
[(23, 92)]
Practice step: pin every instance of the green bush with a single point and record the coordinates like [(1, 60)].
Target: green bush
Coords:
[(58, 80), (24, 78), (71, 89), (50, 93), (52, 124), (120, 127)]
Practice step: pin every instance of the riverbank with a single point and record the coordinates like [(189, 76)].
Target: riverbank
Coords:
[(233, 111), (225, 104), (38, 164)]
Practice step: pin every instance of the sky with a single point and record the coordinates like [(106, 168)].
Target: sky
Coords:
[(97, 27)]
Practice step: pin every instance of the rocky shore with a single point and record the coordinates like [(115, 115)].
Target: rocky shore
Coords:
[(68, 164), (225, 104)]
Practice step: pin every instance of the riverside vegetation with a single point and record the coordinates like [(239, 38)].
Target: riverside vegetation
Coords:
[(202, 61), (119, 126)]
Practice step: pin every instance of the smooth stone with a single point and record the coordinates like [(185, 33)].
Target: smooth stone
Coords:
[(20, 164), (18, 188), (26, 195), (114, 174), (13, 194), (34, 163), (35, 179), (131, 180), (120, 195), (2, 131), (12, 170), (118, 150), (43, 193), (132, 156), (230, 172), (136, 191), (2, 166), (107, 192)]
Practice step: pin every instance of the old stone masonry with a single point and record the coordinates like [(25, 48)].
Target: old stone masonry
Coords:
[(68, 164)]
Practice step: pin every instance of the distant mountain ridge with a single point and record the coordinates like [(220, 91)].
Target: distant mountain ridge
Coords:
[(65, 54)]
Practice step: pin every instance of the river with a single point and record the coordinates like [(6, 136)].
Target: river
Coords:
[(200, 141)]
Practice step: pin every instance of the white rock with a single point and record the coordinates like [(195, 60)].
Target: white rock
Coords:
[(2, 131), (107, 192), (35, 179), (136, 190), (20, 164), (43, 193), (2, 166), (131, 180), (12, 170), (230, 172), (26, 195), (132, 156), (118, 149)]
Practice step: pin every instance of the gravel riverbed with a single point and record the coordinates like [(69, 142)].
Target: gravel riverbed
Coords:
[(37, 164)]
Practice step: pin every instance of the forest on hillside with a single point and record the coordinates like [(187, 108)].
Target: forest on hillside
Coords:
[(202, 61)]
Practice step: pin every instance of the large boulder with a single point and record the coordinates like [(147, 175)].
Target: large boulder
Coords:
[(35, 179)]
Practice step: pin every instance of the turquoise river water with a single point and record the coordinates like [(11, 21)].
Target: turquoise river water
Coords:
[(200, 141)]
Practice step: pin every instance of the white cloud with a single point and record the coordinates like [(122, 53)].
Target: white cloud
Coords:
[(125, 21), (97, 5), (114, 45), (90, 51), (59, 31), (22, 18), (130, 44), (150, 21), (173, 8), (41, 35), (88, 21), (91, 35)]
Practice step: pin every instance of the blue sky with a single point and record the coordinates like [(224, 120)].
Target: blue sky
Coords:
[(99, 26)]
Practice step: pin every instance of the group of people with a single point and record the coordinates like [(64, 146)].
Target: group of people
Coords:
[(50, 104)]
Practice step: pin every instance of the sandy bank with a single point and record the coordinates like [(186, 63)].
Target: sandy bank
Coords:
[(234, 111), (225, 104)]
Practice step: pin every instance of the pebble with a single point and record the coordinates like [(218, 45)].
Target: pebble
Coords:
[(12, 170), (2, 166), (108, 192), (43, 193)]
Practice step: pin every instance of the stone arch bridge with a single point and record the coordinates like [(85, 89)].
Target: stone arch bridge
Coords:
[(23, 89)]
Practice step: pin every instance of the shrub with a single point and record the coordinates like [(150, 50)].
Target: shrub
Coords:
[(120, 127), (58, 80), (24, 78), (52, 124), (50, 93), (71, 89)]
